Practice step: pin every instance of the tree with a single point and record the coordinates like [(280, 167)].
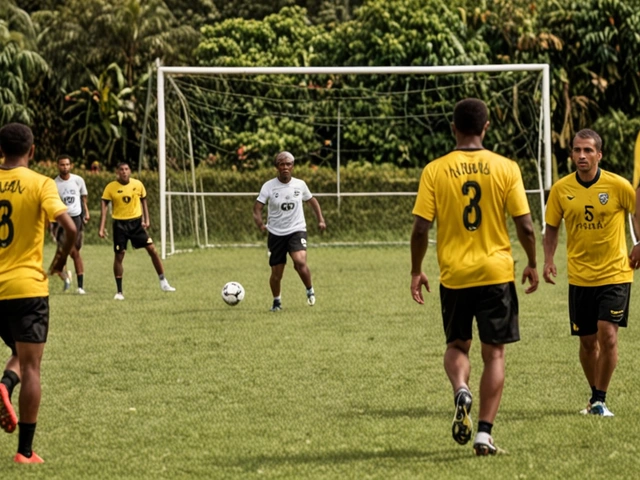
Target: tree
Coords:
[(20, 65)]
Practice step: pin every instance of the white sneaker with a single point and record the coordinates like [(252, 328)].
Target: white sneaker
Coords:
[(483, 445), (600, 409), (311, 300), (81, 291), (119, 296), (165, 287)]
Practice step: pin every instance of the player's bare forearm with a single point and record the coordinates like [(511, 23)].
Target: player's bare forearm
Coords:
[(87, 215), (257, 216), (550, 243), (103, 217), (419, 243), (145, 213), (527, 237), (317, 211), (70, 232)]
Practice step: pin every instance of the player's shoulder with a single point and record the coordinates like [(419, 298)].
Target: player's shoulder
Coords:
[(614, 178)]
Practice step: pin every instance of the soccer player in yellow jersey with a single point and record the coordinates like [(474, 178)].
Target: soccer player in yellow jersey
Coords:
[(27, 201), (469, 191), (594, 205), (130, 222)]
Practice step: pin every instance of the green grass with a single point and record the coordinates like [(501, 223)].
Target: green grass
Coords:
[(182, 386)]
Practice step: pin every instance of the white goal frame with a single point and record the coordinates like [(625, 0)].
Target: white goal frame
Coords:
[(168, 71)]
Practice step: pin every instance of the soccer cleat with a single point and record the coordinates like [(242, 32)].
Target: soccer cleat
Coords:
[(165, 287), (483, 445), (462, 425), (8, 419), (311, 300), (600, 409), (67, 282), (587, 410), (81, 291), (34, 458), (277, 306), (119, 296)]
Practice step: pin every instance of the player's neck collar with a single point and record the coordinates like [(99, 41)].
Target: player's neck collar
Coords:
[(591, 182)]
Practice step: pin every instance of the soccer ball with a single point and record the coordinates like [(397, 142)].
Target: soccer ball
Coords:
[(232, 293)]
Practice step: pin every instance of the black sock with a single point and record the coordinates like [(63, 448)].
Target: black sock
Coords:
[(599, 396), (25, 438), (81, 280), (119, 284), (10, 380), (593, 394), (485, 427)]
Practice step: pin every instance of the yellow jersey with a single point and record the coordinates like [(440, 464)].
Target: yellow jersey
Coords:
[(595, 219), (470, 192), (125, 199), (27, 201)]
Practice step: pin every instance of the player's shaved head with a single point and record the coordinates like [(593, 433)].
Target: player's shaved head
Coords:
[(470, 116), (16, 140)]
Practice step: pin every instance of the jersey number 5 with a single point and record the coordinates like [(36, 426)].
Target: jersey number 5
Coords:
[(472, 215), (6, 225)]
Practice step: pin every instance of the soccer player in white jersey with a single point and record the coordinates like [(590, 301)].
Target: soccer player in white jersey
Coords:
[(73, 192), (286, 225)]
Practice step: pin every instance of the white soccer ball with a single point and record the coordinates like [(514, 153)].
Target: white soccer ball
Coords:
[(232, 293)]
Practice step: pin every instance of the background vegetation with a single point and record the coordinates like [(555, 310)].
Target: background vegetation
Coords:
[(77, 70)]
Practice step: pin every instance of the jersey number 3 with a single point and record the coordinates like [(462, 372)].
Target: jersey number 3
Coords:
[(472, 215), (6, 225)]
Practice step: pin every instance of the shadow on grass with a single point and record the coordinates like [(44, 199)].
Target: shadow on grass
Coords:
[(346, 456)]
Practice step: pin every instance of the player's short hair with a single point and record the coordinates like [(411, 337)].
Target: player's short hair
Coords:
[(62, 156), (588, 133), (470, 116), (283, 156), (121, 164), (16, 140)]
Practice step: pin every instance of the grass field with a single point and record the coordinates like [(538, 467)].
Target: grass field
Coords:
[(179, 385)]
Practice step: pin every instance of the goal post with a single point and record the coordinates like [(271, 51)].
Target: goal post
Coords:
[(166, 75)]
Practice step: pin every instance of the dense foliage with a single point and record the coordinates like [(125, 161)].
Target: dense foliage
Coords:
[(78, 71)]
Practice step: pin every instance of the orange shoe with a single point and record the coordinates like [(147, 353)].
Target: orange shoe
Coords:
[(34, 458), (8, 419)]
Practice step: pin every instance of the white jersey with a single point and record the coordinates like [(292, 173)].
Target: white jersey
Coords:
[(285, 214), (71, 192)]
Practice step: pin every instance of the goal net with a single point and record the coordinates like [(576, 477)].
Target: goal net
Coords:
[(218, 130)]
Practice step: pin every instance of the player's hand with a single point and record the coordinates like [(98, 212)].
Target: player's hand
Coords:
[(145, 225), (102, 233), (322, 226), (548, 272), (58, 265), (87, 217), (417, 281), (634, 257), (530, 274)]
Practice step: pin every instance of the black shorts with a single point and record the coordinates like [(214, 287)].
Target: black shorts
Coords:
[(495, 308), (587, 305), (125, 230), (280, 246), (24, 320), (59, 231)]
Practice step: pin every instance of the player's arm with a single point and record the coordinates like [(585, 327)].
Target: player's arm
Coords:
[(60, 260), (419, 243), (527, 238), (145, 213), (315, 206), (257, 216), (85, 209), (550, 243), (103, 217)]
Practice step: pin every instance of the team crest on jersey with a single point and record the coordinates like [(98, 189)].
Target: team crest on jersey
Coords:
[(604, 198), (296, 193)]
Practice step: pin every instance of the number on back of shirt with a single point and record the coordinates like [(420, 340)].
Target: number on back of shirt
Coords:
[(472, 215), (6, 225)]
